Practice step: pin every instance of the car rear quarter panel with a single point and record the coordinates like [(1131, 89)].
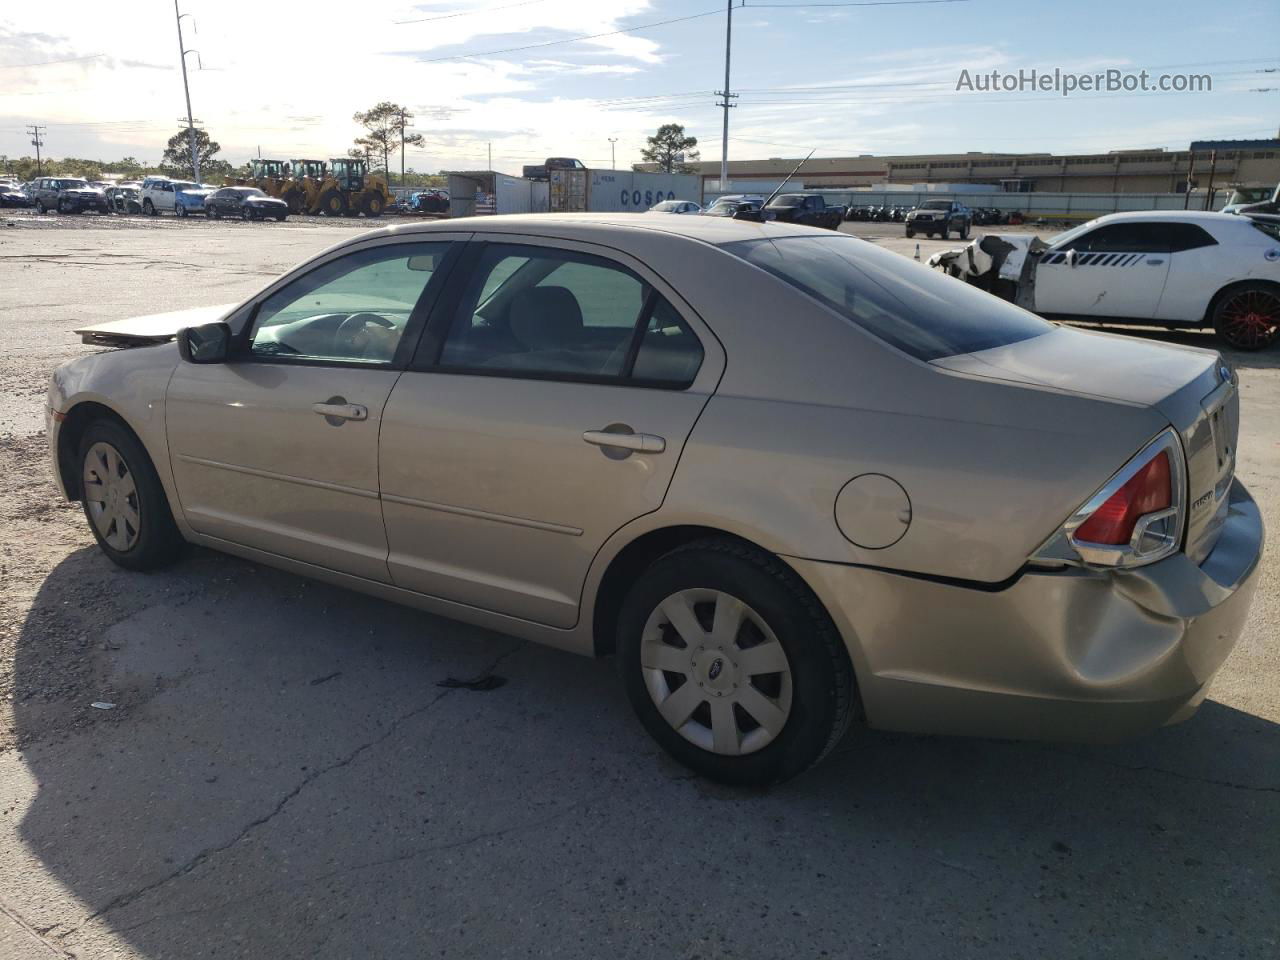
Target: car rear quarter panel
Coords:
[(808, 402)]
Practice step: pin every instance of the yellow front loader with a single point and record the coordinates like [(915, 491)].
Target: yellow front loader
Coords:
[(303, 191), (350, 189)]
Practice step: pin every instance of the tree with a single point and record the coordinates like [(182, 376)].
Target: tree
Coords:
[(384, 126), (177, 152), (669, 148)]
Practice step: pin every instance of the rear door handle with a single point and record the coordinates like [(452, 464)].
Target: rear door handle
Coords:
[(637, 442), (341, 411)]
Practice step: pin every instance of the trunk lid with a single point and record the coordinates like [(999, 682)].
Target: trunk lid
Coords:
[(1193, 388)]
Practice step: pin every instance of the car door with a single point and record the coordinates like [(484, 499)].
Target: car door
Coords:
[(1198, 267), (278, 448), (1114, 270), (547, 407)]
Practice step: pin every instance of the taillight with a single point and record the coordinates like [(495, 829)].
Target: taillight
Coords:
[(1136, 518), (1146, 492)]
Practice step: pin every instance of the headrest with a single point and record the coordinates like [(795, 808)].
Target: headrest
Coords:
[(546, 318)]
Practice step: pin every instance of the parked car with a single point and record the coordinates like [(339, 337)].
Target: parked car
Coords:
[(191, 200), (676, 206), (739, 207), (12, 195), (809, 209), (1156, 268), (1242, 196), (159, 194), (939, 217), (910, 502), (429, 201), (125, 198), (67, 195), (249, 203)]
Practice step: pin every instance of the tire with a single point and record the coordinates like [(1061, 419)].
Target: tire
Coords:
[(280, 217), (134, 529), (964, 232), (373, 205), (180, 211), (41, 208), (1247, 316), (245, 214), (910, 234), (216, 213), (806, 706), (294, 199), (148, 208), (64, 207), (333, 203), (946, 232)]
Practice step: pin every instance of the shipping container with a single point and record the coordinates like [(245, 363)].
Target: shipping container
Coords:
[(485, 192), (619, 191)]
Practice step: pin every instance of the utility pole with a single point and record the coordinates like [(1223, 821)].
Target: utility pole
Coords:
[(1186, 193), (726, 96), (613, 153), (186, 89), (37, 142), (402, 146), (490, 155), (1213, 164)]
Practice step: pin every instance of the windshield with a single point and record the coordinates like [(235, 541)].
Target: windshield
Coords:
[(1249, 195), (252, 192), (936, 205), (666, 206), (1071, 234), (74, 184), (721, 210), (920, 311)]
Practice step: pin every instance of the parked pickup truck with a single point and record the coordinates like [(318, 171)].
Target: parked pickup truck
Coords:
[(805, 208)]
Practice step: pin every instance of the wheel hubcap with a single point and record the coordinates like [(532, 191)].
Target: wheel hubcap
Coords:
[(111, 496), (1251, 319), (716, 672)]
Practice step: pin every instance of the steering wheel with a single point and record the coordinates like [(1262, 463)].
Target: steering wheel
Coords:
[(354, 332)]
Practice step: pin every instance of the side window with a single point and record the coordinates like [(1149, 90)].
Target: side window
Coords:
[(533, 310), (1121, 238), (1184, 236), (669, 353), (353, 310)]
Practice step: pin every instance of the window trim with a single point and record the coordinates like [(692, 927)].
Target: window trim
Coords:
[(426, 358), (414, 326)]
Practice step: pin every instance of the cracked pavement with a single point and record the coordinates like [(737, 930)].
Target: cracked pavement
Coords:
[(282, 777)]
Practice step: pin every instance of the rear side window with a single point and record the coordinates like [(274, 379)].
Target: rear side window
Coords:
[(922, 312), (535, 311)]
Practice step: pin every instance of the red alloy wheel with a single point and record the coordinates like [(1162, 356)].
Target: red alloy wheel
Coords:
[(1250, 319)]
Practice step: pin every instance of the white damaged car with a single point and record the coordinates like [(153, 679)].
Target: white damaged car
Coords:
[(1163, 268)]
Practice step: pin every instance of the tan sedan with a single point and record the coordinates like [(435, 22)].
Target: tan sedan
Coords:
[(790, 479)]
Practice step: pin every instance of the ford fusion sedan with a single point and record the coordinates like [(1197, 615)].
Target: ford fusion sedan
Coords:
[(248, 203), (910, 505)]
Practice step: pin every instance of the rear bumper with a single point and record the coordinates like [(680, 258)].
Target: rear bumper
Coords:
[(1064, 655)]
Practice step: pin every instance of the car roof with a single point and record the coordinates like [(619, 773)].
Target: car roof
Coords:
[(1202, 217), (605, 227)]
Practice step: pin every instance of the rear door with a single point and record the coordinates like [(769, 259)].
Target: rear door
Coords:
[(547, 407), (1115, 270)]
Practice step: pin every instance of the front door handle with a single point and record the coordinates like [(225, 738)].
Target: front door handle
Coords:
[(335, 408), (636, 442)]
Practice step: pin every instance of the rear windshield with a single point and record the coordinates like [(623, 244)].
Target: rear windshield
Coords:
[(920, 311), (788, 202)]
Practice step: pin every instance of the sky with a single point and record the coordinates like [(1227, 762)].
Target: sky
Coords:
[(839, 79)]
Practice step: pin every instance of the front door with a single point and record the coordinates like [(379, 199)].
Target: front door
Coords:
[(547, 408), (278, 449), (1115, 270)]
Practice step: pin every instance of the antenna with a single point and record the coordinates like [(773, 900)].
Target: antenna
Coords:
[(789, 176)]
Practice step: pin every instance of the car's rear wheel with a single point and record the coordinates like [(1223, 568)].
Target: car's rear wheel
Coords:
[(245, 214), (123, 499), (1247, 317), (910, 234), (732, 665), (280, 217)]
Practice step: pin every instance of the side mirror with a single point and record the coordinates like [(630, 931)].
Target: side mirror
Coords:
[(1071, 258), (207, 343)]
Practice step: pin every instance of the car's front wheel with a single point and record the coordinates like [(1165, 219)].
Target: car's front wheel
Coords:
[(148, 208), (732, 665), (1248, 316), (123, 499), (40, 207)]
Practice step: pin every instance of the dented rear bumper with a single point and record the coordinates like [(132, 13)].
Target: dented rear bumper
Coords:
[(1072, 654)]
